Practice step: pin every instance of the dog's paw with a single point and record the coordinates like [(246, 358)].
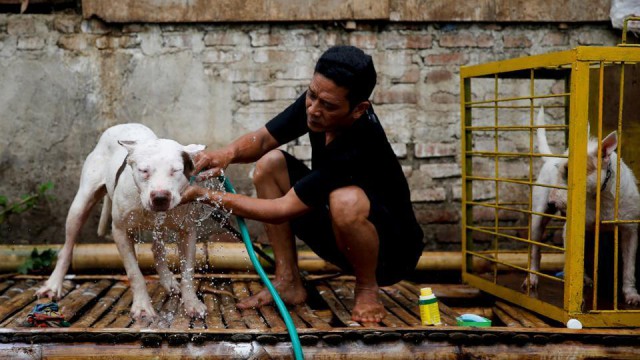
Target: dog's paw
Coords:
[(530, 282), (170, 284), (632, 298), (194, 308), (51, 291), (142, 310)]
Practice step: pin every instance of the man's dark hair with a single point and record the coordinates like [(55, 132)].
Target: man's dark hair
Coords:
[(350, 68)]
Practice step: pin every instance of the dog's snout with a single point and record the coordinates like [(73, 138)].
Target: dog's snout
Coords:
[(160, 200)]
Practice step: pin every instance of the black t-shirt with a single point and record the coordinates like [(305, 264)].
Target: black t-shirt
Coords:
[(361, 155)]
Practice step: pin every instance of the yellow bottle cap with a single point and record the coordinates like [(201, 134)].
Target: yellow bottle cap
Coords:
[(425, 291)]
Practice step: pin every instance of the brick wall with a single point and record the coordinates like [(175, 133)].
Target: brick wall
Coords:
[(65, 79)]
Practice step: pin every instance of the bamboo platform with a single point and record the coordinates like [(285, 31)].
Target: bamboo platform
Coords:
[(98, 309)]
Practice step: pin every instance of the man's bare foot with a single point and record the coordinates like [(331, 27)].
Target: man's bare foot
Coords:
[(292, 293), (367, 307)]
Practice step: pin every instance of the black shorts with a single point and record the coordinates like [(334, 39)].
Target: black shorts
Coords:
[(397, 254)]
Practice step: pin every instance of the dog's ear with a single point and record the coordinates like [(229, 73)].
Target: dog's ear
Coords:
[(193, 149), (128, 144), (187, 157), (609, 145)]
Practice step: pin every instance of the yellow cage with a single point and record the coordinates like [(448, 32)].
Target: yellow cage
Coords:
[(499, 104)]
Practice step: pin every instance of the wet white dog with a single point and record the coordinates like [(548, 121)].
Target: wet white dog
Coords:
[(550, 200), (142, 177)]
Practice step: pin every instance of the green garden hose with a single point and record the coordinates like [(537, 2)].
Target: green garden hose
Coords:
[(293, 333)]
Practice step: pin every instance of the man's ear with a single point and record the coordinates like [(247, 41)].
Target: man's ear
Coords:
[(360, 109)]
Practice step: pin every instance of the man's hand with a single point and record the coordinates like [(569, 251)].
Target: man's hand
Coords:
[(193, 193), (209, 164)]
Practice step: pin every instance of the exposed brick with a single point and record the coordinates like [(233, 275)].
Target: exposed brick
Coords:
[(409, 76), (437, 76), (441, 171), (444, 98), (429, 195), (74, 42), (229, 38), (593, 38), (177, 40), (363, 40), (66, 24), (485, 41), (260, 39), (407, 170), (484, 214), (221, 56), (269, 93), (419, 41), (397, 94), (458, 39), (437, 215), (448, 233), (30, 43), (435, 150), (555, 38), (296, 72), (25, 26), (446, 59), (95, 26), (517, 41)]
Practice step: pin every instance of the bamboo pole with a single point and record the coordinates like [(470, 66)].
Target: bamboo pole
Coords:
[(233, 256), (103, 305)]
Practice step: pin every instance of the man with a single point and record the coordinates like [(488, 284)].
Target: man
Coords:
[(352, 208)]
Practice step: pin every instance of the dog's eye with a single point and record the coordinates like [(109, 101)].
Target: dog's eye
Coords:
[(175, 171), (144, 171)]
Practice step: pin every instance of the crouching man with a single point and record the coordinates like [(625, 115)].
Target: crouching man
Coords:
[(352, 207)]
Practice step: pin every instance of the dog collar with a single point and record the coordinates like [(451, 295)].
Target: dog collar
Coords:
[(607, 177)]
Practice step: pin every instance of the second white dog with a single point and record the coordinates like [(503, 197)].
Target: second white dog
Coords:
[(142, 177), (554, 171)]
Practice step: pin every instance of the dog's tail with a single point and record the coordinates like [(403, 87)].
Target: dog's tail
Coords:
[(105, 216), (543, 145)]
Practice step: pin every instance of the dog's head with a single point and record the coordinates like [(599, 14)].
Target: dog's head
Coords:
[(161, 170), (558, 197)]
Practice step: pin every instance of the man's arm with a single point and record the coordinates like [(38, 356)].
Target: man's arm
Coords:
[(273, 211), (246, 149)]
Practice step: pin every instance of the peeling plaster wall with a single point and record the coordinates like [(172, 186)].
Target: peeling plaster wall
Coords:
[(63, 80)]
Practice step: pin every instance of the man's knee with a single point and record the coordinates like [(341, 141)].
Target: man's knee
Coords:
[(348, 206), (268, 166)]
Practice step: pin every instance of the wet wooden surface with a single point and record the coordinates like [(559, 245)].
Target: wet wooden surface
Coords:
[(103, 302), (98, 309)]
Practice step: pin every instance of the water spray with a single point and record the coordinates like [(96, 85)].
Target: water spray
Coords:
[(291, 328)]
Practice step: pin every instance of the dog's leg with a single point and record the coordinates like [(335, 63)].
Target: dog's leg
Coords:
[(85, 199), (167, 279), (629, 248), (187, 247), (538, 225), (141, 306)]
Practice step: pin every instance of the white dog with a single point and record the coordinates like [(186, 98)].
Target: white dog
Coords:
[(550, 200), (142, 177)]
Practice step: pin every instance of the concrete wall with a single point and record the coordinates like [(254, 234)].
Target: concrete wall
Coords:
[(63, 80)]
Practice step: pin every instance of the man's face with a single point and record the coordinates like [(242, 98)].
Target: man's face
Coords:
[(327, 105)]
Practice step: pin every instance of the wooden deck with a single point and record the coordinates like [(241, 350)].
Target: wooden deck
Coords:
[(98, 309)]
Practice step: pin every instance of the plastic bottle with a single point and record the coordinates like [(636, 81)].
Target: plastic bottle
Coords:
[(429, 311)]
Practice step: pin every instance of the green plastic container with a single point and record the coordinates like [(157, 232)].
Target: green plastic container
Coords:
[(473, 320)]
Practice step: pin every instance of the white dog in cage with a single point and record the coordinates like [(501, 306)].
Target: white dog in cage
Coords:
[(547, 200)]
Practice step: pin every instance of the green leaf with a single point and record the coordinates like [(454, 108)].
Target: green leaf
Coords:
[(44, 187), (3, 201)]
